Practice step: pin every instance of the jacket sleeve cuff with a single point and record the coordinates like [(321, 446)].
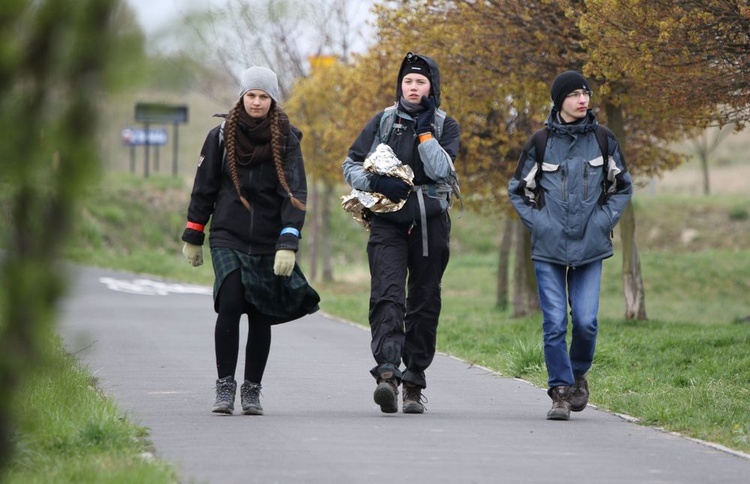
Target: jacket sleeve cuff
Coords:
[(193, 237), (287, 241)]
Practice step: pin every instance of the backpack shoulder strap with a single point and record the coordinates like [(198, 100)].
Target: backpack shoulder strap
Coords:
[(221, 132), (387, 121), (602, 137), (221, 129), (539, 142), (222, 145)]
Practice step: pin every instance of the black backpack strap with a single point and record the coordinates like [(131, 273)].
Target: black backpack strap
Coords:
[(602, 137), (539, 141)]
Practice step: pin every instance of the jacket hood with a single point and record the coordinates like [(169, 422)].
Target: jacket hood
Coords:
[(434, 75)]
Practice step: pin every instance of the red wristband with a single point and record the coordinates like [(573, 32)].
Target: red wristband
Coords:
[(195, 226)]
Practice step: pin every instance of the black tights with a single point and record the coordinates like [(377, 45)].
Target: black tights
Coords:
[(227, 333)]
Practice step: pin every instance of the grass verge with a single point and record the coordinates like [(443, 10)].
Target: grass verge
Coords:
[(68, 431)]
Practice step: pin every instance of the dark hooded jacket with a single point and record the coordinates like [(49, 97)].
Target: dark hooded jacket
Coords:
[(431, 161)]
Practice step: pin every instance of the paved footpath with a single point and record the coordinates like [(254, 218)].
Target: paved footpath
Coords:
[(151, 346)]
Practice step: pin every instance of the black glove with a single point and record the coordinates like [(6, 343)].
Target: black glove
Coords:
[(424, 119), (392, 187)]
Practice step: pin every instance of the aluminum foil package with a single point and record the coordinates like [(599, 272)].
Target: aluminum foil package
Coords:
[(382, 161)]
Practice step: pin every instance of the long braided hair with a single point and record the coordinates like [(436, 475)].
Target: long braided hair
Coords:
[(277, 117)]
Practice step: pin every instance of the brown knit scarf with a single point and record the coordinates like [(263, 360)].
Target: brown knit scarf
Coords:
[(253, 139)]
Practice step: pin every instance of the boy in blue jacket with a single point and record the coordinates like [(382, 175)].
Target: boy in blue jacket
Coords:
[(570, 196)]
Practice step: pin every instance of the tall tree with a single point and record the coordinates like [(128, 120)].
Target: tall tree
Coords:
[(687, 57), (52, 68), (705, 145), (317, 109)]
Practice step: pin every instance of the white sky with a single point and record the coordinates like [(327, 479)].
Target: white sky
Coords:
[(156, 14)]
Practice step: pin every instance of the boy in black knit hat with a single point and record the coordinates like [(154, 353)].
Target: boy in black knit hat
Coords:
[(570, 192), (408, 249)]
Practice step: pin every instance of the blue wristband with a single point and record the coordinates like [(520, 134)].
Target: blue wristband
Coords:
[(290, 230)]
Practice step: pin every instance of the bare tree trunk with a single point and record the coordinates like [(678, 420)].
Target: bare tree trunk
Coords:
[(632, 277), (314, 227), (635, 297), (525, 300), (704, 169), (503, 265), (325, 230), (704, 147)]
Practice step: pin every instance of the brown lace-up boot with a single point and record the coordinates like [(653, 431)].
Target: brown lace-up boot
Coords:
[(413, 399), (386, 393), (560, 405), (579, 394)]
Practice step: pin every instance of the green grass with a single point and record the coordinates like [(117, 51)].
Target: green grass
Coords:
[(686, 369), (68, 431)]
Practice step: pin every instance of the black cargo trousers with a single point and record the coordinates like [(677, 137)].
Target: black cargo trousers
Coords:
[(404, 328)]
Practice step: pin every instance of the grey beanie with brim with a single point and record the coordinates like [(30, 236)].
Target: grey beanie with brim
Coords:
[(258, 77)]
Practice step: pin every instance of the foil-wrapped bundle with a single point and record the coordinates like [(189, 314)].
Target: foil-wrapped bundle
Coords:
[(382, 161)]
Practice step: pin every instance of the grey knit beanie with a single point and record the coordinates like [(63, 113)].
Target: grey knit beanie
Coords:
[(262, 78)]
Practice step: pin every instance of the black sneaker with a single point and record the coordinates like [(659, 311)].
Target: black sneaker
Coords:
[(579, 394), (250, 397), (226, 388), (413, 399), (560, 405), (386, 395)]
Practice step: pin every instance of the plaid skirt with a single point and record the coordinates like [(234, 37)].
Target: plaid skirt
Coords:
[(268, 298)]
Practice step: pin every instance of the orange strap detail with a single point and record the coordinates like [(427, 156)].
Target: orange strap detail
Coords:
[(425, 137)]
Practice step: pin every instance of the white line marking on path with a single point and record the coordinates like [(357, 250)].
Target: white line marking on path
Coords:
[(148, 287)]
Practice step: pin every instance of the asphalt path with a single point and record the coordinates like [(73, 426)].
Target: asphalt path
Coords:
[(150, 343)]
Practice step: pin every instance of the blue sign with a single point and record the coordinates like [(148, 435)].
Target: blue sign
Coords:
[(140, 136)]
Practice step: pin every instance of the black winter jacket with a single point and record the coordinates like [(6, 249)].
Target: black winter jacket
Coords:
[(232, 225)]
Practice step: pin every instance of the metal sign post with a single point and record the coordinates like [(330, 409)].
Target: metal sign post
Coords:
[(147, 137), (161, 113)]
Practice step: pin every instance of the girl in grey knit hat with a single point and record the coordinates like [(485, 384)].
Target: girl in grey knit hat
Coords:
[(251, 185)]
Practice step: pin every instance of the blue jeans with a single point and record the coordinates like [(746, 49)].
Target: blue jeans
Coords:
[(581, 285)]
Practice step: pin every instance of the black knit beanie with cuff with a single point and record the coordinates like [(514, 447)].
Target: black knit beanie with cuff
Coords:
[(566, 83)]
